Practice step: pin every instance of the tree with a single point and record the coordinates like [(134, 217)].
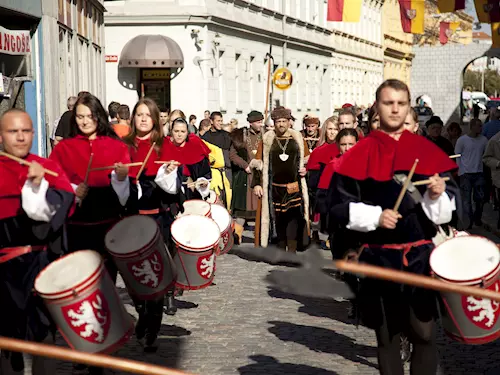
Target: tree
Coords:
[(491, 81)]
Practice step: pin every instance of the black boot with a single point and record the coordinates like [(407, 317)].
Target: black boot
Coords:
[(141, 325), (170, 308)]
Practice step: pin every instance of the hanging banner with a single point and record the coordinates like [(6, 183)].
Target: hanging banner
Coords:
[(412, 16), (344, 10), (447, 6), (446, 31), (283, 79), (15, 42), (488, 11)]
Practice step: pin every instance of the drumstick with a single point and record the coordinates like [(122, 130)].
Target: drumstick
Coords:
[(167, 162), (90, 359), (27, 163), (413, 279), (193, 184), (145, 161), (427, 182), (405, 186), (455, 156), (113, 167), (88, 168)]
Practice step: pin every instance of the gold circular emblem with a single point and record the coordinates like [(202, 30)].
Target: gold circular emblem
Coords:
[(282, 78)]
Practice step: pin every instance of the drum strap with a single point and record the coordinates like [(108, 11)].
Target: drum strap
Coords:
[(154, 211), (405, 247), (8, 253)]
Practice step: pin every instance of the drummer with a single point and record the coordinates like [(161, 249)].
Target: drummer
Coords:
[(146, 133), (101, 195), (364, 195), (34, 206)]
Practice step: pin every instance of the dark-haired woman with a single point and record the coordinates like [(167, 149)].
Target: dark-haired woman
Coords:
[(153, 201), (102, 195)]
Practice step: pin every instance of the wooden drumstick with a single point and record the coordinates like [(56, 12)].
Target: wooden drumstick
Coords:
[(167, 162), (405, 186), (87, 174), (145, 161), (412, 279), (27, 163), (90, 359), (113, 167), (428, 181), (455, 156)]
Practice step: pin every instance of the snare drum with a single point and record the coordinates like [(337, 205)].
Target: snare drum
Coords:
[(225, 223), (141, 256), (214, 198), (83, 301), (469, 260), (197, 207), (197, 240)]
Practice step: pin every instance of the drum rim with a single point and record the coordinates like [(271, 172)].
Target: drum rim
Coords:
[(187, 247), (476, 280), (204, 203), (135, 252), (94, 276), (218, 207)]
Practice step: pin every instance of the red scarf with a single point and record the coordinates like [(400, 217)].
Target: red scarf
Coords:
[(139, 153), (322, 155), (193, 151)]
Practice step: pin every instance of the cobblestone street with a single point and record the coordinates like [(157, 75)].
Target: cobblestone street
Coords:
[(240, 326)]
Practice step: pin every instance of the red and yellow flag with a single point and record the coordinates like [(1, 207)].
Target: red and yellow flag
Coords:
[(412, 16), (446, 30), (495, 34), (447, 6), (488, 11), (344, 10)]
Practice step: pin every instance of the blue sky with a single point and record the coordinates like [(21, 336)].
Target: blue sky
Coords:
[(469, 8)]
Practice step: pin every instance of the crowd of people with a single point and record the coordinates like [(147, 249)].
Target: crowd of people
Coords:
[(341, 178)]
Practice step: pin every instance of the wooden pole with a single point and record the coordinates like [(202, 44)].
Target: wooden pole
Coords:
[(419, 281), (90, 359), (268, 87)]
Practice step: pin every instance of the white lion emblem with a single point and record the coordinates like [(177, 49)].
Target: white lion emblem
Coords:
[(87, 316), (148, 271), (207, 266), (486, 308)]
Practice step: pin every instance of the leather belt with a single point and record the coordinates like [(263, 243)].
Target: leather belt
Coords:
[(154, 211), (404, 247), (8, 253)]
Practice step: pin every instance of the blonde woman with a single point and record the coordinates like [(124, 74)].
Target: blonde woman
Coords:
[(329, 130)]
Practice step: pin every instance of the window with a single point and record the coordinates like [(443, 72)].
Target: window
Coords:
[(60, 11), (81, 17), (69, 8), (222, 82), (238, 78), (253, 82)]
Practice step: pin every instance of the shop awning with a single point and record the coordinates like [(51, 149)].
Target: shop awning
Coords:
[(151, 51)]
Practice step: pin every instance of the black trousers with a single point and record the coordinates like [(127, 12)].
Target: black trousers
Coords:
[(290, 226), (150, 316)]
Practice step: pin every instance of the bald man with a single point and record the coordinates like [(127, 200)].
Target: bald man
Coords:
[(33, 209)]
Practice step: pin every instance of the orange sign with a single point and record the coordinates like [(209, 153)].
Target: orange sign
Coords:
[(283, 79), (111, 58)]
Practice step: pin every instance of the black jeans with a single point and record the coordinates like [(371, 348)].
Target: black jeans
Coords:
[(290, 226), (472, 187)]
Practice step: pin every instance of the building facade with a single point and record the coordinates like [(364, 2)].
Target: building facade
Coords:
[(398, 54)]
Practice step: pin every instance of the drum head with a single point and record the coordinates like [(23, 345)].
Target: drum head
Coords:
[(131, 234), (465, 259), (68, 272), (221, 217), (196, 207), (195, 232)]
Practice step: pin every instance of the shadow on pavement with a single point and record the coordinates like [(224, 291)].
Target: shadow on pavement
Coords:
[(270, 366), (325, 341), (317, 307)]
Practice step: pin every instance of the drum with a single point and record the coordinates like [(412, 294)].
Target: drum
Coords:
[(225, 223), (197, 207), (197, 241), (141, 256), (469, 260), (213, 198), (83, 301)]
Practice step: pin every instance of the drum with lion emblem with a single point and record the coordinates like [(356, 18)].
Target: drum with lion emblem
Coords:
[(141, 256), (225, 223), (469, 260), (197, 241), (83, 301)]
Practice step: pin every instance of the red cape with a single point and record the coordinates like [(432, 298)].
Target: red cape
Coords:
[(73, 154), (193, 151), (14, 176), (322, 155), (139, 155), (327, 175), (378, 156)]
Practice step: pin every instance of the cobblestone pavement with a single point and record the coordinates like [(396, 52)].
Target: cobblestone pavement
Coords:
[(240, 326)]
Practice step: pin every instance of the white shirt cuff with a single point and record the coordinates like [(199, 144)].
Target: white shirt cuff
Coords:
[(75, 186), (35, 203), (121, 188), (439, 211), (204, 192), (167, 181), (363, 217)]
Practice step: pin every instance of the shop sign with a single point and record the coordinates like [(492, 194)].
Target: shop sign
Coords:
[(15, 42), (111, 58), (156, 74), (283, 78)]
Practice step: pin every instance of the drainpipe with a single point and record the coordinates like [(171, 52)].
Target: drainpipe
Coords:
[(285, 44)]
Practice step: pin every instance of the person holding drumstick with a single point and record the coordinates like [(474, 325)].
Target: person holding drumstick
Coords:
[(36, 197), (398, 234)]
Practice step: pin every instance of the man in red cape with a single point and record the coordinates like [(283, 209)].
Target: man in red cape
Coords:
[(364, 193), (34, 207)]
